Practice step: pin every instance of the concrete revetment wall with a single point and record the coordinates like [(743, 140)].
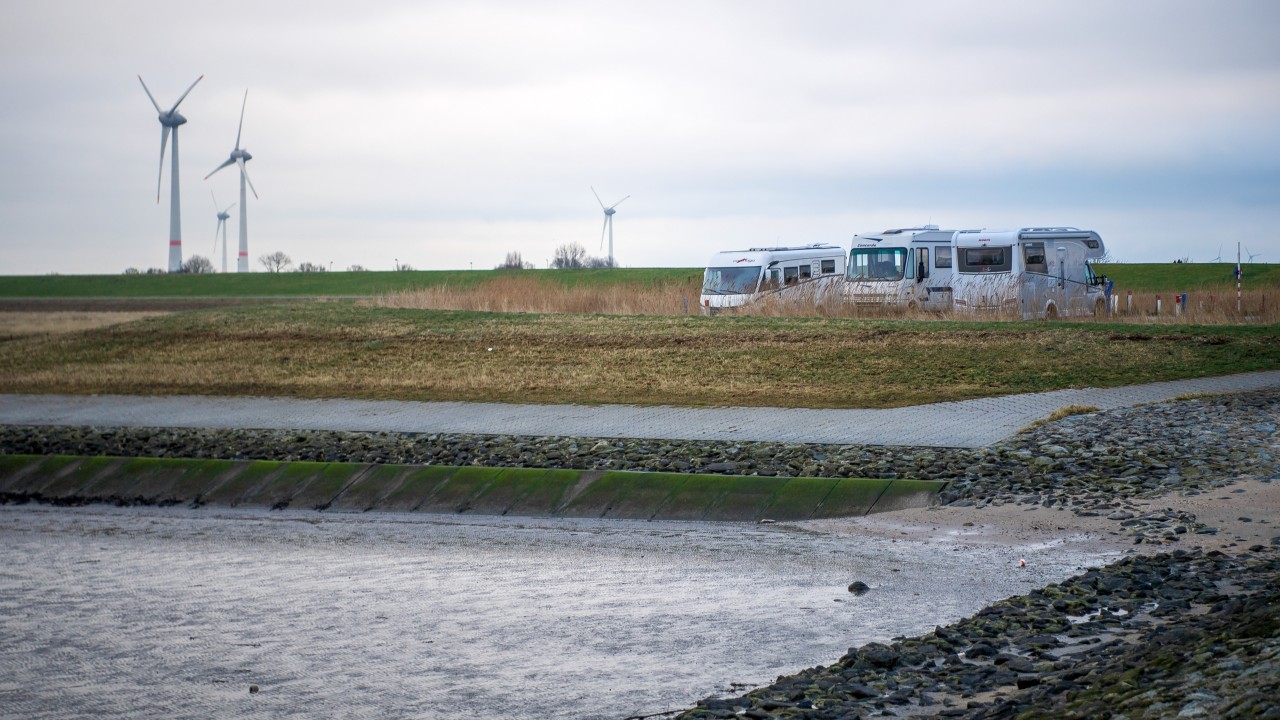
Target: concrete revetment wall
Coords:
[(354, 487)]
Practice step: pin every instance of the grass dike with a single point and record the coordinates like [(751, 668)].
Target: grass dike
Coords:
[(531, 492)]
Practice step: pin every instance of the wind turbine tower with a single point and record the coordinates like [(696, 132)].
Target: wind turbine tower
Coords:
[(240, 157), (170, 120), (223, 216), (608, 222)]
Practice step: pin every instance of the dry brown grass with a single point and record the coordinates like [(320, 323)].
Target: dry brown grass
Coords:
[(344, 350), (25, 324), (529, 294), (1203, 308)]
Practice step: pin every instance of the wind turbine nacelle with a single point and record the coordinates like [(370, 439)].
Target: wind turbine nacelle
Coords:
[(241, 154), (609, 211), (172, 119)]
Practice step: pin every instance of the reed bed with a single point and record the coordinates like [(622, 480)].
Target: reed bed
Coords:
[(515, 294)]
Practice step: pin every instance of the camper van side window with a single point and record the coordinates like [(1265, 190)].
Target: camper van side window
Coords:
[(985, 259), (806, 272), (1034, 254), (942, 257), (828, 267), (790, 275)]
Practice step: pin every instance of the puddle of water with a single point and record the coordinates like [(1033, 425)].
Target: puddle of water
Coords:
[(157, 613)]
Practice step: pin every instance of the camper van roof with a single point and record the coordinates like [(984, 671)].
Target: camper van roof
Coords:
[(814, 246), (899, 231)]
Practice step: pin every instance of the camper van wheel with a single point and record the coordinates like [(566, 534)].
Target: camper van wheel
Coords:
[(1051, 312), (912, 306)]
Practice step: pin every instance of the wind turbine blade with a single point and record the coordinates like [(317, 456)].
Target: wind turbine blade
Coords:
[(618, 203), (184, 95), (230, 206), (230, 161), (148, 92), (241, 127), (593, 192), (215, 200), (603, 228), (164, 142), (240, 162)]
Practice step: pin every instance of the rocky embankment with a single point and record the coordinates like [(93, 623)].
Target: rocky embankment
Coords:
[(1181, 634), (1091, 464), (1184, 633)]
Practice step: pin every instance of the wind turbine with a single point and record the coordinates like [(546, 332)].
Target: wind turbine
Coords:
[(1251, 255), (223, 216), (240, 157), (608, 222), (1219, 258), (170, 120)]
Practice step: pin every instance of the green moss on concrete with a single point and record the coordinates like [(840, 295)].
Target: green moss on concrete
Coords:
[(850, 498), (462, 490), (903, 494), (240, 487), (497, 491), (799, 497), (746, 500), (369, 488), (545, 492), (160, 480), (415, 489), (695, 497), (280, 489), (77, 480), (319, 490), (509, 489)]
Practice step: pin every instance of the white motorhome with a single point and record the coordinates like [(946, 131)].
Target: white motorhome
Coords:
[(1041, 272), (901, 267), (734, 278)]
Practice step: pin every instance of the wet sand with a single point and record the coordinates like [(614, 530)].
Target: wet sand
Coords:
[(1245, 513)]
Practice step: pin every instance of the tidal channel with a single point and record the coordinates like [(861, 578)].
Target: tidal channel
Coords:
[(172, 612)]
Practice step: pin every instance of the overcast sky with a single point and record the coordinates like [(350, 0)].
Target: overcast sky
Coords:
[(447, 134)]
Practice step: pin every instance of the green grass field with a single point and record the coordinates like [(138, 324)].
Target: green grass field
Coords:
[(1189, 277), (1154, 277), (296, 284)]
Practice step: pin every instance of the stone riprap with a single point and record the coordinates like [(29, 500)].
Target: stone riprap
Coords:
[(1182, 634), (1094, 463)]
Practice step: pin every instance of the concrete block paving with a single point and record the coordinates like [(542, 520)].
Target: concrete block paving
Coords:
[(963, 424)]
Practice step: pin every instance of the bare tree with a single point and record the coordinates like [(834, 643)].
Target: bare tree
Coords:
[(156, 271), (310, 267), (131, 271), (569, 255), (275, 262), (197, 265), (597, 262), (403, 267), (357, 268), (514, 262)]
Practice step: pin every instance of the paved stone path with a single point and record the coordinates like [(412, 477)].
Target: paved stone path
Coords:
[(968, 423)]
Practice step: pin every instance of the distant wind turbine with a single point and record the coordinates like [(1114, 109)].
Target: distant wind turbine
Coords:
[(223, 216), (240, 157), (1219, 258), (170, 120), (608, 222), (1251, 255)]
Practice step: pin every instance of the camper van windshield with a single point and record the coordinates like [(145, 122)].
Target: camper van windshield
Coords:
[(877, 263), (730, 280)]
